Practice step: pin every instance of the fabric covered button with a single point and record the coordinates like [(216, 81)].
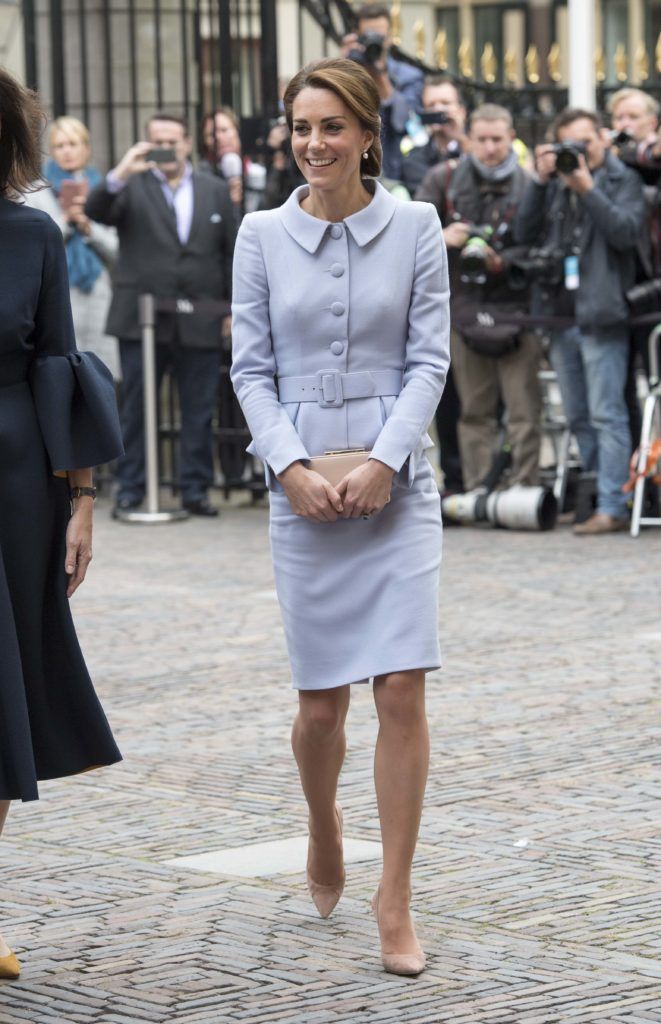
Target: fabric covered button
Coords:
[(336, 231), (337, 308), (337, 348), (337, 270)]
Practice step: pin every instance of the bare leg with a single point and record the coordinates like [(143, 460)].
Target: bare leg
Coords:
[(319, 744), (401, 763), (4, 810)]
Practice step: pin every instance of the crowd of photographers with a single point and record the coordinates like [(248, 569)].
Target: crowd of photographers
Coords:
[(553, 254)]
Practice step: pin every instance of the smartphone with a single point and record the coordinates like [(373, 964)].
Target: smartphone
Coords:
[(162, 156), (434, 117), (71, 189)]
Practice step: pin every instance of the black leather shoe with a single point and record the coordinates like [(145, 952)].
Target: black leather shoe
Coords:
[(126, 505), (200, 508)]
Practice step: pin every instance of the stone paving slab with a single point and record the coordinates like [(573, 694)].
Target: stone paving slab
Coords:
[(537, 891)]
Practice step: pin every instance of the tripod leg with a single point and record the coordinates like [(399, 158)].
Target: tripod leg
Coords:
[(645, 438)]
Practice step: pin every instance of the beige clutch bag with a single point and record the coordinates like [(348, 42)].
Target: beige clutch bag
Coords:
[(333, 466)]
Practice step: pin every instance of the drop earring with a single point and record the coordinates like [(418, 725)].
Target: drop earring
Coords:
[(365, 155)]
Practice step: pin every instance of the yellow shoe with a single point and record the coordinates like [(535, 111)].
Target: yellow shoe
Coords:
[(9, 967)]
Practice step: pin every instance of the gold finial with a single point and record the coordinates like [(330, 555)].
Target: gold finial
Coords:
[(599, 64), (532, 64), (621, 62), (465, 55), (553, 63), (396, 22), (441, 49), (657, 54), (642, 62), (510, 66), (419, 36), (489, 64)]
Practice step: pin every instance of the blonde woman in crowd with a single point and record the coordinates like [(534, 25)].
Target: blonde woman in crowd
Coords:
[(91, 248)]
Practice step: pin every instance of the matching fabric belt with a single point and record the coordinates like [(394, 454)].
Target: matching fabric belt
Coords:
[(13, 369), (332, 388)]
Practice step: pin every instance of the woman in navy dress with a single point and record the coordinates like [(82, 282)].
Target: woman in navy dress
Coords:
[(57, 419)]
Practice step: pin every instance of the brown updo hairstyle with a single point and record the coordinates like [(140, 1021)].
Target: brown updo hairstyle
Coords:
[(21, 123), (355, 87)]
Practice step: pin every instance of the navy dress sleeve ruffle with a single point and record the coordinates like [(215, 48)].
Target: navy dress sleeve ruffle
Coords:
[(73, 391), (74, 396)]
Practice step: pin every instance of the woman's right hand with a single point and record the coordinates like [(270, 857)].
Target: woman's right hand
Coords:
[(310, 495)]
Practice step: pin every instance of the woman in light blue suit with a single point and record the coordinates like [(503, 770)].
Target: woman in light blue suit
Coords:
[(341, 340)]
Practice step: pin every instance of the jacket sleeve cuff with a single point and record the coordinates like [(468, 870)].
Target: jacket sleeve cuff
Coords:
[(278, 461)]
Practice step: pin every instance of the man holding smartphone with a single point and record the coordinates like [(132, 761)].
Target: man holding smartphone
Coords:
[(176, 232)]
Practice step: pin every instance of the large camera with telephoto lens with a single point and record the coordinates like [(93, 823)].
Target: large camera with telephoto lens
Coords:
[(374, 44), (567, 156), (645, 298), (545, 265), (473, 256)]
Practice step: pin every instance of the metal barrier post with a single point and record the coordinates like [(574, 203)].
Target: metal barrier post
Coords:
[(153, 514)]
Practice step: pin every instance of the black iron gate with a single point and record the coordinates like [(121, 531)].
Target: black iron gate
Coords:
[(112, 63)]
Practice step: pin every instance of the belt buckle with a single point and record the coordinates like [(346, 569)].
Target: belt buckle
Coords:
[(329, 387)]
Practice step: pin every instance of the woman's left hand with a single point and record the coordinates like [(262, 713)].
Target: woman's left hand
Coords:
[(366, 489), (79, 545)]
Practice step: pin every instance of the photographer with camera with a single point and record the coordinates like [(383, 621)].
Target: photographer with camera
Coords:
[(442, 123), (635, 138), (494, 364), (399, 84), (584, 212), (176, 229)]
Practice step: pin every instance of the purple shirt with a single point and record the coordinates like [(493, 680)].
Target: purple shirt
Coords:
[(180, 199)]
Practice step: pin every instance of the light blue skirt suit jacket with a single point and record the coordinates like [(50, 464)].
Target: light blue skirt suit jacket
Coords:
[(341, 340)]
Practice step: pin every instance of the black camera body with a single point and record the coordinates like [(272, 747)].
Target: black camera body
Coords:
[(434, 117), (544, 264), (567, 156), (374, 44), (473, 256), (645, 298)]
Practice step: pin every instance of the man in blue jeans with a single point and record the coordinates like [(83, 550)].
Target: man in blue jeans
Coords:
[(583, 213)]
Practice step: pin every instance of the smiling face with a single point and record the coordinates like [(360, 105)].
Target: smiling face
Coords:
[(328, 140)]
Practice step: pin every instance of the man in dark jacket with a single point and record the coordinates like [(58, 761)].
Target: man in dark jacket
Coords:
[(493, 364), (176, 241), (587, 222), (446, 138), (399, 84)]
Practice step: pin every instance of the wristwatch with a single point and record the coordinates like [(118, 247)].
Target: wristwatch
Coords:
[(82, 492)]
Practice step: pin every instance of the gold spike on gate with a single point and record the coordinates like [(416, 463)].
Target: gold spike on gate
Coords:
[(396, 22), (599, 64), (553, 62), (641, 62), (621, 62), (441, 49), (420, 42), (465, 54), (489, 64), (532, 64), (657, 54)]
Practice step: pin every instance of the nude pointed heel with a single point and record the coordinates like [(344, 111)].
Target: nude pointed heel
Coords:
[(9, 967), (326, 897), (406, 964)]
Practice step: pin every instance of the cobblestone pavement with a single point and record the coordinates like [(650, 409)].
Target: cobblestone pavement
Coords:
[(537, 880)]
